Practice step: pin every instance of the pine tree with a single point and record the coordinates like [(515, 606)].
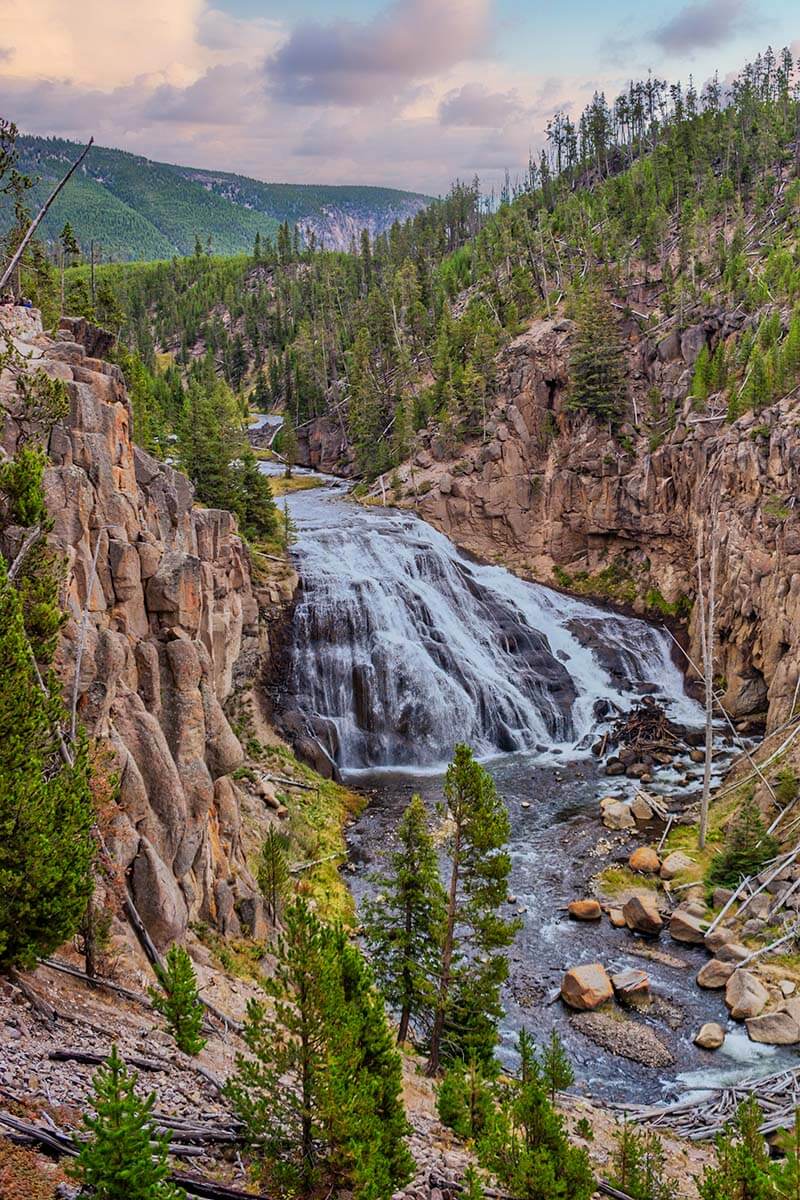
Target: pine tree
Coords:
[(742, 1169), (46, 814), (403, 926), (178, 1000), (272, 872), (747, 847), (473, 967), (288, 447), (464, 1100), (526, 1146), (787, 1172), (320, 1092), (124, 1155), (597, 359), (556, 1067)]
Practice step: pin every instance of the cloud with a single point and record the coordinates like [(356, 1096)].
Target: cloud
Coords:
[(347, 63), (474, 105), (704, 24)]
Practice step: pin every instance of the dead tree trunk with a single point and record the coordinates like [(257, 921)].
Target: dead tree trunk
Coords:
[(707, 552)]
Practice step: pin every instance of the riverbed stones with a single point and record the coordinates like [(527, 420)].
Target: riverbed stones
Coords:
[(631, 985), (718, 937), (773, 1029), (733, 952), (642, 915), (674, 863), (640, 808), (710, 1036), (685, 926), (715, 974), (585, 910), (586, 988), (645, 859), (618, 816), (745, 995), (615, 767)]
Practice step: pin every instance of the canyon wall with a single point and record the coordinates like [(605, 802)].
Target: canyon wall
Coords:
[(551, 494), (163, 619)]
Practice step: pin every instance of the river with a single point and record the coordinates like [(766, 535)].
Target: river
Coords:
[(402, 646)]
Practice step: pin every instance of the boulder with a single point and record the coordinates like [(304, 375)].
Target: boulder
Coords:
[(640, 807), (646, 860), (733, 952), (715, 974), (720, 897), (745, 995), (718, 937), (618, 816), (587, 987), (686, 927), (774, 1029), (585, 910), (642, 915), (710, 1037), (631, 984), (674, 863)]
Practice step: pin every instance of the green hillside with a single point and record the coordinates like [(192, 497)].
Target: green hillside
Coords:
[(139, 209)]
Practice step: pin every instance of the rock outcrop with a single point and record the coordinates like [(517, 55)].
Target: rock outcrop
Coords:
[(161, 608), (553, 495)]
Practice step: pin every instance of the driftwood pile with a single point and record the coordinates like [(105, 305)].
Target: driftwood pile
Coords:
[(701, 1119), (648, 728)]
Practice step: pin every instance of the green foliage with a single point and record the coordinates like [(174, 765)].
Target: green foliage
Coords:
[(464, 1100), (557, 1072), (473, 966), (584, 1129), (787, 785), (743, 1166), (178, 1001), (404, 924), (124, 1154), (747, 847), (21, 487), (46, 815), (638, 1165), (272, 872), (527, 1148), (319, 1093), (597, 359)]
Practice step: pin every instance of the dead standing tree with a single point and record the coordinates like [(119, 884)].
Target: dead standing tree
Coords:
[(707, 559)]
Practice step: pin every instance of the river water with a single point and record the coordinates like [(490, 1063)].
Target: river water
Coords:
[(402, 646)]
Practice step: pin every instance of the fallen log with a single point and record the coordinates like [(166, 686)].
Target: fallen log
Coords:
[(93, 1058)]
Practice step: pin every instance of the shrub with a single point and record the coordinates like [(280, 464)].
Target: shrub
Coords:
[(747, 847)]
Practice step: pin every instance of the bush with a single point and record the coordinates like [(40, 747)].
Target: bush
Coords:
[(747, 847)]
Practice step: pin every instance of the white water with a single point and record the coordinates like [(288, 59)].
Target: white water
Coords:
[(403, 647)]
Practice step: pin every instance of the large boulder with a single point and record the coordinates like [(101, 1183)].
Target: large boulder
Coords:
[(587, 987), (715, 974), (710, 1037), (774, 1029), (645, 859), (642, 915), (585, 910), (745, 995), (674, 863), (686, 927), (632, 985), (618, 816)]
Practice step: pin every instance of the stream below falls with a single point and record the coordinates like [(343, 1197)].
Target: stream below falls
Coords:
[(402, 646)]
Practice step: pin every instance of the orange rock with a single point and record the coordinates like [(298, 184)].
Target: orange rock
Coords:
[(586, 988), (646, 860), (585, 910)]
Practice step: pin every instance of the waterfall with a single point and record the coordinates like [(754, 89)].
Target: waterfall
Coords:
[(402, 646)]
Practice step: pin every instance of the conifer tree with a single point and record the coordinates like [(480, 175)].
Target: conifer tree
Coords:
[(527, 1148), (46, 813), (556, 1068), (403, 926), (742, 1169), (124, 1155), (638, 1165), (597, 359), (272, 872), (288, 444), (178, 1000), (464, 1100), (472, 967), (319, 1093)]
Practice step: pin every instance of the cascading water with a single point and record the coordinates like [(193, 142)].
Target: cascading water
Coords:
[(403, 647)]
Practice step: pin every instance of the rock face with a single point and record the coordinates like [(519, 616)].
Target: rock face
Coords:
[(548, 489), (586, 988), (170, 608)]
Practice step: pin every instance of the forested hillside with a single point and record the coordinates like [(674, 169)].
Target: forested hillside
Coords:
[(134, 208), (659, 206)]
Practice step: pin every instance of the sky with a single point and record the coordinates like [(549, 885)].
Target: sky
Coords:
[(402, 93)]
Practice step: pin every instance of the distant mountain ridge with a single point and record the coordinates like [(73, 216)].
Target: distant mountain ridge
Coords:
[(137, 208)]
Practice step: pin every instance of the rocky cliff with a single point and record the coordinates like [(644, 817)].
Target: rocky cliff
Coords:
[(163, 619), (553, 495)]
